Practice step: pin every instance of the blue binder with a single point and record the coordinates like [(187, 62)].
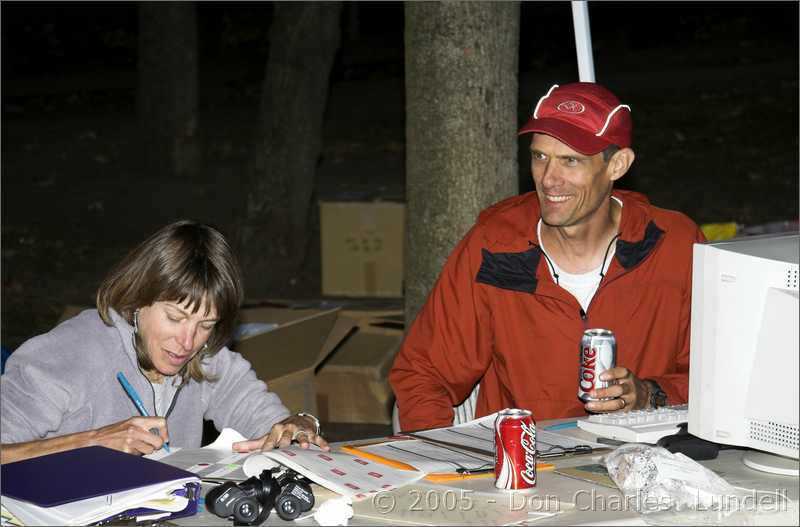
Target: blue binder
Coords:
[(74, 475)]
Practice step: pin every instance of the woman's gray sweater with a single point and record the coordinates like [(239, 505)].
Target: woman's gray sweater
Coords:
[(65, 381)]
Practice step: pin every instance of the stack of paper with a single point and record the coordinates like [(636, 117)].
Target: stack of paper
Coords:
[(479, 434), (461, 448), (215, 462), (355, 477), (429, 458)]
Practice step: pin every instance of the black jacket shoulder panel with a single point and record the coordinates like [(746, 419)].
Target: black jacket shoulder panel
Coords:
[(512, 271), (630, 254)]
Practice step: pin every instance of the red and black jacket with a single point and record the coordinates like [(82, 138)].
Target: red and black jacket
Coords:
[(496, 316)]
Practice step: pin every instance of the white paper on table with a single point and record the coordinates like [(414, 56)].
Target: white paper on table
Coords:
[(161, 453), (478, 433), (353, 477), (216, 461), (226, 439), (430, 457)]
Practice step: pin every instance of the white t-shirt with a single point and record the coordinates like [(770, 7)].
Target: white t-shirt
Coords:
[(582, 286)]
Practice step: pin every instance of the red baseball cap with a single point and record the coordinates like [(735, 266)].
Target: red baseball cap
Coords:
[(584, 115)]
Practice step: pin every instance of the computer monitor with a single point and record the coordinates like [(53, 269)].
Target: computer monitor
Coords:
[(743, 372)]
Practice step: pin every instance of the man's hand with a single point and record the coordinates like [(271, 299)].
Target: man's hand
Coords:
[(627, 393), (293, 428), (132, 435)]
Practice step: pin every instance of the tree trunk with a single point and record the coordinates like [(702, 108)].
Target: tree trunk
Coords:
[(167, 92), (274, 233), (461, 124)]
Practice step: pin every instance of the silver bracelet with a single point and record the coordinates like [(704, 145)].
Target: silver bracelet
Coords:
[(313, 418)]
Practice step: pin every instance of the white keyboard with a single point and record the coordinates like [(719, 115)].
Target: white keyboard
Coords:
[(637, 426)]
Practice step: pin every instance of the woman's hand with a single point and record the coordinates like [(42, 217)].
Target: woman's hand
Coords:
[(297, 428), (133, 435)]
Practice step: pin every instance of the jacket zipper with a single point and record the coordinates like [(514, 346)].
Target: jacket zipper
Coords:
[(603, 283), (584, 315)]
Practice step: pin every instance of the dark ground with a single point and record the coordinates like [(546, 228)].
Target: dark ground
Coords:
[(714, 99)]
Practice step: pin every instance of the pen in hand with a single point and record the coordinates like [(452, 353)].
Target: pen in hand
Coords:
[(138, 402)]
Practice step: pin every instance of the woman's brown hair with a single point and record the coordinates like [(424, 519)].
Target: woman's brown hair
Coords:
[(184, 262)]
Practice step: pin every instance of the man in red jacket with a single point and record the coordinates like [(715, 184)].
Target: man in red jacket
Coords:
[(537, 270)]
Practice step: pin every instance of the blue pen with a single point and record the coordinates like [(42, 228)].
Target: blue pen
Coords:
[(562, 426), (137, 401)]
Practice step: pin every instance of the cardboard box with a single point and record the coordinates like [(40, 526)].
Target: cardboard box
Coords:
[(362, 248), (286, 357), (352, 385)]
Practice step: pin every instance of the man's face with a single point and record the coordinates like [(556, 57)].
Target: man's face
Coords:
[(571, 186)]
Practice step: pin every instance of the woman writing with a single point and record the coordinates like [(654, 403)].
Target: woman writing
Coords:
[(163, 317)]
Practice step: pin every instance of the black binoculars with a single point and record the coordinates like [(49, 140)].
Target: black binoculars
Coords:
[(251, 501)]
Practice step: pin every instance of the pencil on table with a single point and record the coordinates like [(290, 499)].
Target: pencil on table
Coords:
[(378, 459)]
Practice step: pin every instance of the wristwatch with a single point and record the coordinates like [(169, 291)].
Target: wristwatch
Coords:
[(657, 396), (313, 418)]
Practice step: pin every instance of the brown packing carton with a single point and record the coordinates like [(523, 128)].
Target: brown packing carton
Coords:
[(287, 356), (362, 248), (352, 385), (386, 318)]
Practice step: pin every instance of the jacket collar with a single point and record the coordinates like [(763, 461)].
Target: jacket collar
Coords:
[(629, 254), (125, 331), (513, 254), (511, 223)]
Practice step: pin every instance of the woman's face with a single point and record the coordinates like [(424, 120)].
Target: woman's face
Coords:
[(172, 334)]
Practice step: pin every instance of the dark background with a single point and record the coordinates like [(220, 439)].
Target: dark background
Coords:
[(713, 88)]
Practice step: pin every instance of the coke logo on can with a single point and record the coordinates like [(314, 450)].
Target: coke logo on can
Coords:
[(598, 353), (588, 360), (515, 449)]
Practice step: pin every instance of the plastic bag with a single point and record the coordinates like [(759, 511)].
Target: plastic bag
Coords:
[(655, 480)]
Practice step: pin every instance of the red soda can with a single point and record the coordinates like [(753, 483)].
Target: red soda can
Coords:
[(598, 353), (514, 449)]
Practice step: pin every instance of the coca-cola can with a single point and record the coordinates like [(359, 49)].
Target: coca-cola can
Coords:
[(515, 449), (598, 353)]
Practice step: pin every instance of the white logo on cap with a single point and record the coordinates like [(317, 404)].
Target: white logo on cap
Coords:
[(570, 107)]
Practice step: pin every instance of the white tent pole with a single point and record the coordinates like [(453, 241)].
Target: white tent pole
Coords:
[(583, 41)]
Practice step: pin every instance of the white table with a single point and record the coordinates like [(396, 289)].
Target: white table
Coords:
[(557, 500)]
